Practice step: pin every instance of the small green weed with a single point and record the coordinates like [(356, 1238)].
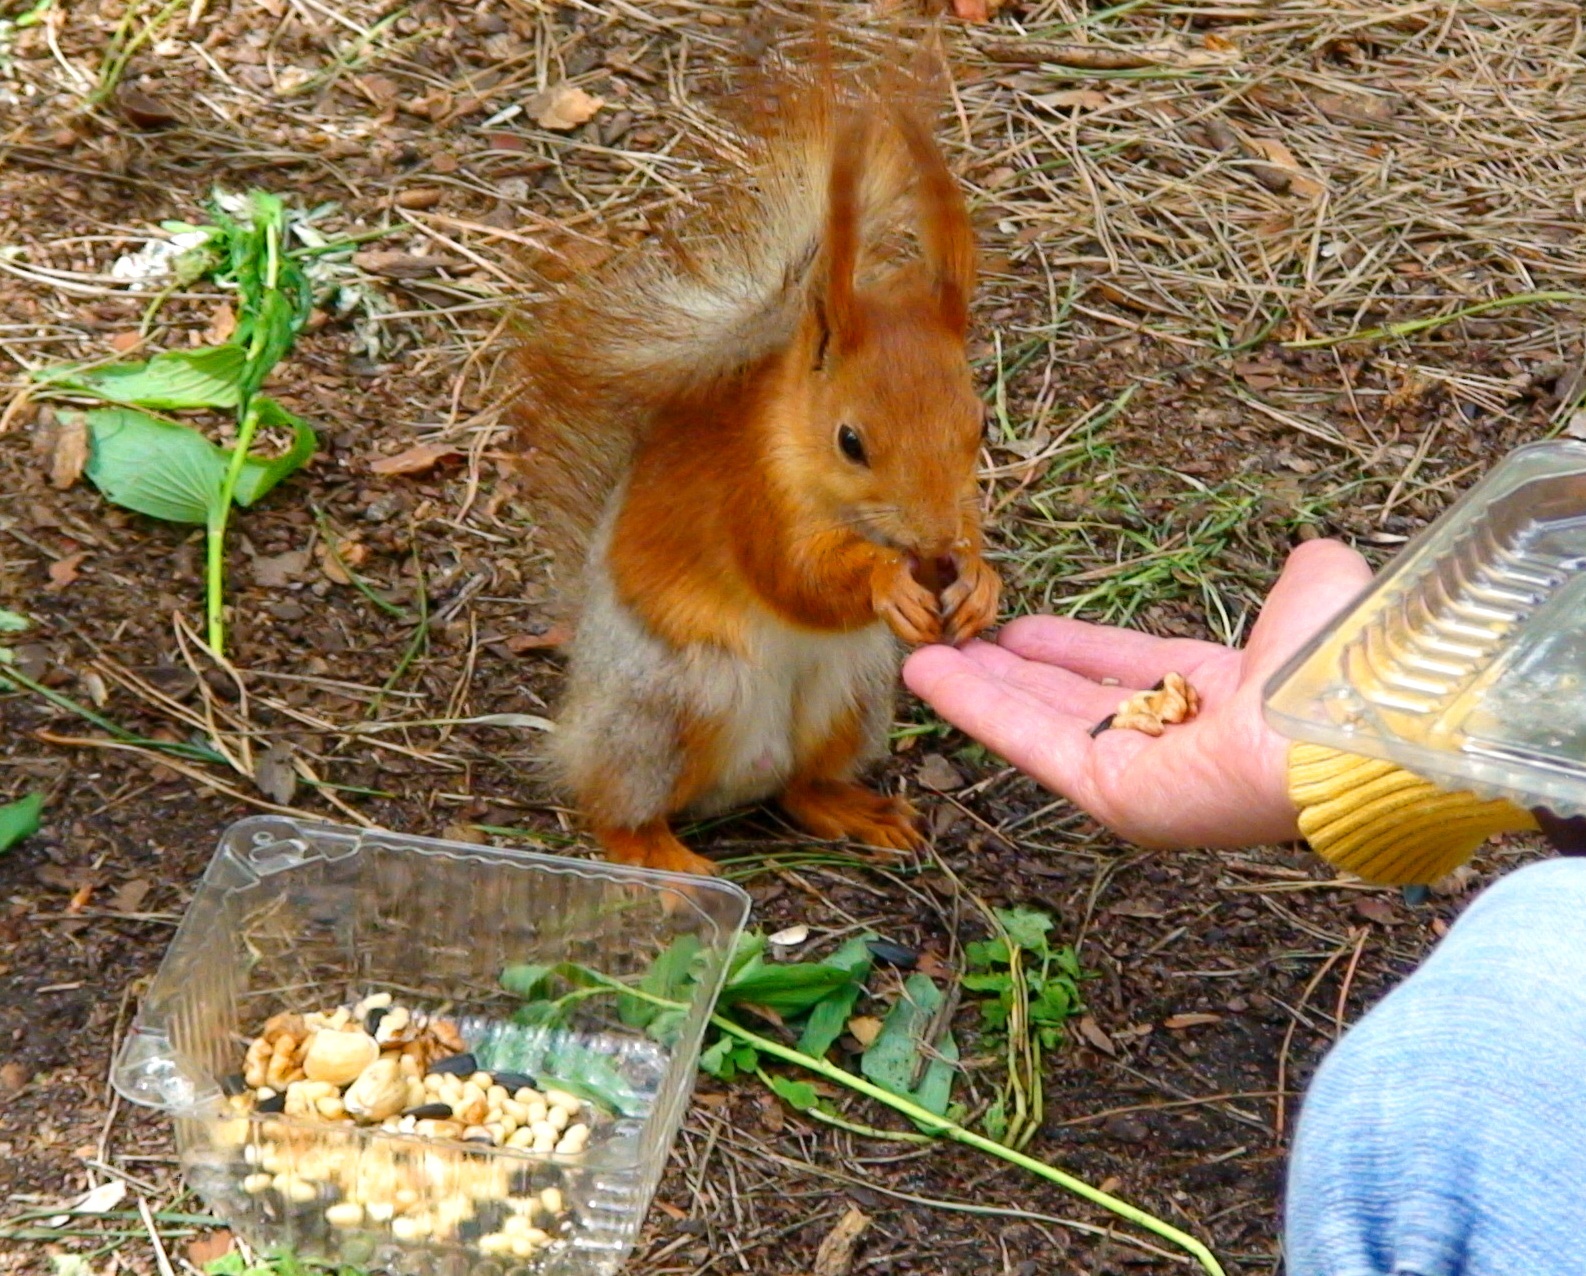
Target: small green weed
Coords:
[(148, 462), (1028, 990)]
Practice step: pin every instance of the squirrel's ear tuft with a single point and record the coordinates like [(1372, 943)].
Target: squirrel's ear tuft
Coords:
[(946, 236), (834, 283)]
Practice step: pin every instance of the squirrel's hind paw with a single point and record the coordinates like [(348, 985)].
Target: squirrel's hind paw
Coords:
[(832, 809), (652, 845)]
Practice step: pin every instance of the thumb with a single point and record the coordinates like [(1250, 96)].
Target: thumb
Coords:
[(1320, 579)]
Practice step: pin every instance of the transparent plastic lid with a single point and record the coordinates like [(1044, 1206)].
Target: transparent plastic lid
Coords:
[(1465, 661)]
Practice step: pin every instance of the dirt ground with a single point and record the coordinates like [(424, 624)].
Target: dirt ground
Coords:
[(1156, 231)]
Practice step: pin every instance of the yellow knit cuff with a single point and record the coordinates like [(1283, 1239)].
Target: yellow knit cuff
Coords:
[(1381, 823)]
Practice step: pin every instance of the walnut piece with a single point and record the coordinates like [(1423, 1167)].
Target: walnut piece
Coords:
[(1169, 703)]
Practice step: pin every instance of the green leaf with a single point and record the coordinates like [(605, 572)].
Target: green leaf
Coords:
[(748, 946), (70, 1265), (1054, 1004), (1026, 927), (785, 990), (829, 1016), (228, 1264), (20, 819), (259, 476), (1000, 982), (12, 623), (670, 976), (727, 1058), (154, 467), (171, 472), (994, 1014), (525, 979), (800, 1094), (208, 377), (983, 954), (995, 1122), (894, 1056)]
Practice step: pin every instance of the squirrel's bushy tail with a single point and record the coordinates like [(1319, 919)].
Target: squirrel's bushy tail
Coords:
[(724, 284)]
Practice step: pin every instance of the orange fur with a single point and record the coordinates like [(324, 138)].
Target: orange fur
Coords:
[(652, 845), (808, 463)]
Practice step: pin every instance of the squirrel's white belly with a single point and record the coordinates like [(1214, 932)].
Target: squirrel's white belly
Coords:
[(797, 687)]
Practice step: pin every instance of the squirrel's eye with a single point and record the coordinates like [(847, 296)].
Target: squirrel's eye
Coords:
[(852, 446)]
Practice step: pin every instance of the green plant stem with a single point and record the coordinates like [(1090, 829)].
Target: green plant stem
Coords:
[(853, 1127), (215, 529), (944, 1128), (1411, 326), (932, 1124), (247, 424)]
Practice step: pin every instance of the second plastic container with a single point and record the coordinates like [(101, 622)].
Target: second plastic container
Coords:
[(292, 917)]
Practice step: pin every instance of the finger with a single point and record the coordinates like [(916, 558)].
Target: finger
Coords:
[(1055, 687), (1319, 580), (1136, 660), (1050, 745)]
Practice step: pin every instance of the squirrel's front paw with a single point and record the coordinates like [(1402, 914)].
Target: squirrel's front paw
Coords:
[(908, 607), (969, 604)]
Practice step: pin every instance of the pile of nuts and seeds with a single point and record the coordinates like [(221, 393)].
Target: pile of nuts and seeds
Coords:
[(377, 1066)]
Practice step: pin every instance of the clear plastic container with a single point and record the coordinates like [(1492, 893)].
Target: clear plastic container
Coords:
[(295, 917), (1465, 661)]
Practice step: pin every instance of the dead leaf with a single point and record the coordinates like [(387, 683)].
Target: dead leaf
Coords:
[(1376, 910), (419, 197), (13, 1076), (972, 10), (222, 323), (835, 1257), (1284, 173), (864, 1029), (555, 636), (1091, 1031), (277, 571), (1194, 1019), (275, 775), (416, 460), (1269, 148), (563, 107), (122, 342), (63, 571), (130, 895), (69, 452), (396, 265), (143, 110), (334, 562), (936, 772), (457, 831), (771, 1115), (203, 1250), (1079, 99), (1356, 108), (1136, 908)]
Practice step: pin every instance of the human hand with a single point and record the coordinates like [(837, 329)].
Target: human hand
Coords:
[(1218, 780)]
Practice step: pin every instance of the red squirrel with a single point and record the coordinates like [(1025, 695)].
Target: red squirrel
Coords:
[(755, 442)]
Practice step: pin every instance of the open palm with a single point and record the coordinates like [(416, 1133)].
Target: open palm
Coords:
[(1034, 695)]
